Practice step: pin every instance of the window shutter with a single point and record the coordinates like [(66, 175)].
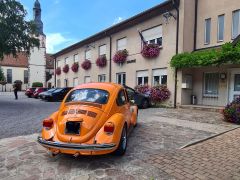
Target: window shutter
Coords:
[(122, 44), (152, 33), (102, 50)]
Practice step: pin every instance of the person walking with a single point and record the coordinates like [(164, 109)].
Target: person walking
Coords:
[(15, 90)]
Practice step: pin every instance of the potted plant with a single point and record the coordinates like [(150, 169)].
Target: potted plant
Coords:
[(58, 71), (120, 56), (86, 64), (66, 68), (75, 67), (101, 61), (150, 51)]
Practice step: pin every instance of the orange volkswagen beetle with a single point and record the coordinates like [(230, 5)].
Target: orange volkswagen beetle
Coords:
[(93, 119)]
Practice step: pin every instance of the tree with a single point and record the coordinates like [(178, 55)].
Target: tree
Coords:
[(16, 34)]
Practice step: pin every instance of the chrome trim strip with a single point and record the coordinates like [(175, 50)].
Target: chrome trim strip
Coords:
[(77, 147)]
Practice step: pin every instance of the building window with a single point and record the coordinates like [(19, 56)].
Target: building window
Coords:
[(221, 28), (159, 77), (142, 77), (211, 84), (75, 58), (207, 35), (66, 82), (121, 44), (58, 83), (102, 50), (236, 24), (75, 82), (102, 78), (153, 35), (9, 76), (66, 60), (58, 63), (121, 78), (87, 79), (88, 55), (25, 79)]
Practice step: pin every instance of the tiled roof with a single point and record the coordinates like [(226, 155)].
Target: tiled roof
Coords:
[(50, 61), (20, 61)]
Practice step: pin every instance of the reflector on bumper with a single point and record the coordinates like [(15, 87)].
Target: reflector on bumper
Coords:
[(70, 146)]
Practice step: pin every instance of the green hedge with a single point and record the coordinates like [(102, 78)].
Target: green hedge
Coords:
[(227, 54), (37, 84)]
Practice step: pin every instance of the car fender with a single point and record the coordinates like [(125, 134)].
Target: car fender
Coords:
[(48, 134), (119, 122), (134, 110)]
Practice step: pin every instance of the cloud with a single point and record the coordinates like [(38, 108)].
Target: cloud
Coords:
[(56, 42), (118, 20)]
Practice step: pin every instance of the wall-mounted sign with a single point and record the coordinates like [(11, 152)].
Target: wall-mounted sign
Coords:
[(131, 61)]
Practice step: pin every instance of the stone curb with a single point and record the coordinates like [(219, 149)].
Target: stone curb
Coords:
[(205, 139)]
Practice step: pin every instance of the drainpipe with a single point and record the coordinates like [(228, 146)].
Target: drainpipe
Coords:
[(110, 59), (55, 64), (176, 6), (195, 26)]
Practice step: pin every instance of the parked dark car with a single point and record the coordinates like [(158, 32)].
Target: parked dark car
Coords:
[(29, 92), (58, 94), (141, 100), (43, 94), (38, 91)]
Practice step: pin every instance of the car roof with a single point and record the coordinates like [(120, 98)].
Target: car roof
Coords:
[(110, 87)]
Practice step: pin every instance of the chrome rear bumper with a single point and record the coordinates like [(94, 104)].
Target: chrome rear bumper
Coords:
[(77, 147)]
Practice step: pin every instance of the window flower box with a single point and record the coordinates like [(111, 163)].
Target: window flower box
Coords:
[(75, 67), (121, 56), (86, 65), (58, 71), (66, 68), (101, 61), (150, 51)]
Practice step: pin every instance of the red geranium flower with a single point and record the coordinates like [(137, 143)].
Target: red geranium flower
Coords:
[(75, 67), (120, 56), (66, 68), (101, 61), (58, 71), (86, 64), (150, 50)]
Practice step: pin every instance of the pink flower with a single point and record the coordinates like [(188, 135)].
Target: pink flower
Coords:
[(150, 51), (86, 64), (120, 56), (101, 61), (58, 71), (66, 68), (75, 67)]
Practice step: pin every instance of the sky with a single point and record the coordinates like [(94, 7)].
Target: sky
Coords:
[(66, 22)]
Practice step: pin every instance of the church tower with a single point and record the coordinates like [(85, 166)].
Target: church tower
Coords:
[(37, 59)]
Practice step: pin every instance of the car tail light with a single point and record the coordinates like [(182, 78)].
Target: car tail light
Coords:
[(109, 128), (48, 123)]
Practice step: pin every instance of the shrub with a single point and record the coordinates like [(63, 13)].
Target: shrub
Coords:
[(101, 61), (86, 64), (75, 67), (37, 84), (144, 89), (58, 71), (150, 51), (66, 68), (231, 111), (120, 56), (159, 93)]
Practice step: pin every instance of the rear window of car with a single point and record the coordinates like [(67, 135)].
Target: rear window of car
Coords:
[(58, 90), (88, 95)]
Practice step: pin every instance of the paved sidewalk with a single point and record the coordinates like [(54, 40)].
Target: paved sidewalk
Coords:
[(217, 158)]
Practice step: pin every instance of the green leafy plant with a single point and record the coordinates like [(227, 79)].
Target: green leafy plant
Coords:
[(37, 84), (2, 77), (227, 54)]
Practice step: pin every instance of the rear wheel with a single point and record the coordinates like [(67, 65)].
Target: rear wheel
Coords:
[(123, 143)]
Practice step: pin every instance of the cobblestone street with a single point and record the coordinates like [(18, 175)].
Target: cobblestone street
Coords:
[(152, 147)]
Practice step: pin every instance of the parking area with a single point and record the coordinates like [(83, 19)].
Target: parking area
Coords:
[(159, 132)]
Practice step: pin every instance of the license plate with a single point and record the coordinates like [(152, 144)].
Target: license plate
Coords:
[(72, 128)]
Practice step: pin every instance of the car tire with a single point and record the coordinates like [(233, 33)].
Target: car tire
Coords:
[(123, 143), (145, 104)]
